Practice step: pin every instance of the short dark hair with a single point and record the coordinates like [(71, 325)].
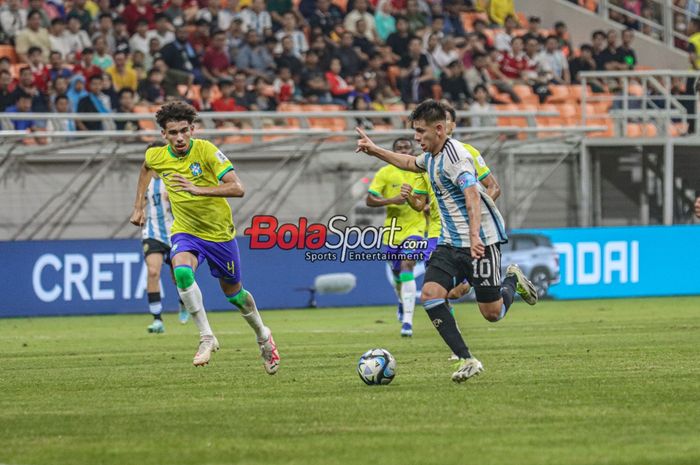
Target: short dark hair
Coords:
[(598, 33), (57, 21), (449, 109), (175, 111), (95, 77), (33, 49), (125, 90), (479, 87), (31, 13), (105, 15), (430, 111), (401, 139), (61, 97), (587, 48)]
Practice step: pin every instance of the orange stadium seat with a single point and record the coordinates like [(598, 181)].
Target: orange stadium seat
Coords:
[(9, 52), (601, 121), (525, 93), (677, 129), (641, 130), (559, 94)]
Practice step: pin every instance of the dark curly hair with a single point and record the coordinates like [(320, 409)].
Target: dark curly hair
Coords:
[(175, 111), (429, 111)]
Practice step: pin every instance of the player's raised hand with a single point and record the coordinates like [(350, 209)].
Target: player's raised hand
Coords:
[(697, 202), (138, 217), (365, 144), (406, 190), (477, 248), (183, 185)]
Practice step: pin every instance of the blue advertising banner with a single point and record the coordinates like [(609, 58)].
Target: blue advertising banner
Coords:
[(625, 261), (109, 276)]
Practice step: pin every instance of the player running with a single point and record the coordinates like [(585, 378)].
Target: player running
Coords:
[(472, 231), (198, 178), (156, 249), (385, 191), (485, 178)]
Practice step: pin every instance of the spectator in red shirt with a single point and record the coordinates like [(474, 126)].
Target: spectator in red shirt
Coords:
[(340, 90), (85, 66), (216, 63), (514, 63), (40, 72), (200, 38), (138, 9)]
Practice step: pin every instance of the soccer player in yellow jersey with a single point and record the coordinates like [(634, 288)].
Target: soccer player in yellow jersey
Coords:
[(198, 178), (385, 191)]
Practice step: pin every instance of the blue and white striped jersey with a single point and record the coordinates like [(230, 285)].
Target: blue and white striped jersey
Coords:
[(159, 218), (450, 172)]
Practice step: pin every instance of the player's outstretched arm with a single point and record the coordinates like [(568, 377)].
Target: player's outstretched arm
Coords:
[(399, 160), (138, 215), (230, 186), (493, 189), (473, 200)]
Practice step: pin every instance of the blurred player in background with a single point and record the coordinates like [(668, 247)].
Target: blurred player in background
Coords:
[(199, 178), (472, 231), (156, 249), (385, 191)]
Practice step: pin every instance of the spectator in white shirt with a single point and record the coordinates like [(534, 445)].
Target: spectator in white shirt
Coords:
[(552, 61), (77, 38), (503, 38), (256, 17), (139, 41), (360, 12), (59, 37), (13, 18), (289, 28), (481, 106), (163, 30)]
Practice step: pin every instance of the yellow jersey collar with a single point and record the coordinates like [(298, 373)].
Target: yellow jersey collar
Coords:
[(174, 155)]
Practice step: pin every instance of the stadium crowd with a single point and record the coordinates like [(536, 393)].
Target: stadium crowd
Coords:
[(106, 56)]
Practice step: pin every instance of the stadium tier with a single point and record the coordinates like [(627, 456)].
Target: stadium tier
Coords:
[(322, 56)]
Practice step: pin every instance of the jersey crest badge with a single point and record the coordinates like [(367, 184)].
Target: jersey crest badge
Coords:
[(196, 169)]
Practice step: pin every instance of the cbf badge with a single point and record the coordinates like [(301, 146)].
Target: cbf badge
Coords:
[(195, 169)]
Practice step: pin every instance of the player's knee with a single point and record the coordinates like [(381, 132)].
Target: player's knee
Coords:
[(407, 265), (153, 273), (239, 298), (184, 276), (490, 311), (492, 316)]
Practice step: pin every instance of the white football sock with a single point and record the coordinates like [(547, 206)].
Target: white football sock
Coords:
[(250, 313), (192, 298), (155, 308), (408, 298)]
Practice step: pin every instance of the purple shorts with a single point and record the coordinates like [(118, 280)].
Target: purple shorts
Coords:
[(432, 245), (396, 264), (223, 257)]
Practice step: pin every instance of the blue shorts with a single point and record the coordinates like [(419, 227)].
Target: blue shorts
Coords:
[(223, 257), (396, 264)]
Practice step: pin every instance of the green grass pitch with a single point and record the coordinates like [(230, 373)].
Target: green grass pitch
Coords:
[(587, 382)]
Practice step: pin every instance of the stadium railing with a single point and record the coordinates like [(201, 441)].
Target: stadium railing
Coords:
[(255, 127), (645, 104), (662, 25)]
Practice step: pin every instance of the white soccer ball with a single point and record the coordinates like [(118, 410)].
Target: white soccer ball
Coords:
[(377, 366)]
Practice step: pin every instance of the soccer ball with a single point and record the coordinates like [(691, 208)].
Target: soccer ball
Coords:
[(376, 366)]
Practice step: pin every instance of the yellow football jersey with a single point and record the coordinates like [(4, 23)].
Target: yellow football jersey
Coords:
[(422, 186), (208, 218), (387, 184)]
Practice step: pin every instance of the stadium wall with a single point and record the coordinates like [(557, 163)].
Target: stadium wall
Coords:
[(108, 276)]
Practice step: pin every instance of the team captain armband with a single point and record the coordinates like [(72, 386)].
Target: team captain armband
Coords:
[(465, 180)]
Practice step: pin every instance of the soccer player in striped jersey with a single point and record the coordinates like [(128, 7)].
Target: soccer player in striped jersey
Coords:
[(199, 178), (156, 250), (385, 191), (472, 231)]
